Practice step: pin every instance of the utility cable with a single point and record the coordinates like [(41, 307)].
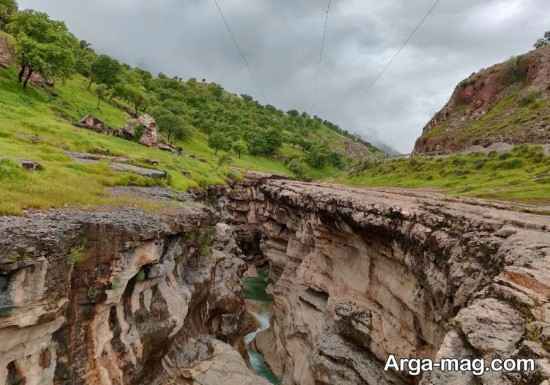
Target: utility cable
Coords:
[(238, 47), (322, 50), (325, 29), (403, 46)]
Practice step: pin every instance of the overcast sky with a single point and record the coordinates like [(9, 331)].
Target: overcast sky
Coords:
[(281, 39)]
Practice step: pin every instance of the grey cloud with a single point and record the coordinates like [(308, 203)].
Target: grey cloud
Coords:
[(282, 40)]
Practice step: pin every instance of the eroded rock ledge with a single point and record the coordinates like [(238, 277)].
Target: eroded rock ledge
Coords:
[(125, 297), (359, 274), (120, 297)]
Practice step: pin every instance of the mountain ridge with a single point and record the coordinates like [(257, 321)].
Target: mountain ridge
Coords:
[(506, 102)]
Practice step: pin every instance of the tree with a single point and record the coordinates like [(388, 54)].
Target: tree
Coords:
[(544, 42), (317, 155), (239, 147), (105, 70), (265, 142), (217, 91), (85, 57), (134, 94), (298, 168), (219, 141), (247, 98), (173, 126), (101, 91), (7, 9), (43, 45)]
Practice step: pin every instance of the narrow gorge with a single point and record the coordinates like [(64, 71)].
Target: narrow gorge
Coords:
[(124, 297)]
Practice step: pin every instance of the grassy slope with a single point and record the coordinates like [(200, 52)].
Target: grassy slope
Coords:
[(37, 126), (522, 175), (507, 118)]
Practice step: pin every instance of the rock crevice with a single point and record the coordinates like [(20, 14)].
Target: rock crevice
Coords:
[(362, 274)]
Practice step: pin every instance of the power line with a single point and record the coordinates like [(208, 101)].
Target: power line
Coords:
[(325, 29), (405, 43), (322, 50), (238, 47)]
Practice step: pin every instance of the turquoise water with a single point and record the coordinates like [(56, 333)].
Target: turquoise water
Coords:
[(255, 289), (256, 359)]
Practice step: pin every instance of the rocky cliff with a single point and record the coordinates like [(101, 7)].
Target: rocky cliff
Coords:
[(361, 274), (506, 103), (124, 297), (120, 297)]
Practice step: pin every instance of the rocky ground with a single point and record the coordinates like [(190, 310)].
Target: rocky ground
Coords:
[(127, 297), (120, 297), (505, 103), (361, 274)]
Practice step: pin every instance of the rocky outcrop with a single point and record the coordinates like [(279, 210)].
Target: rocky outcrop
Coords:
[(149, 135), (362, 274), (503, 103), (123, 297), (7, 56), (93, 123), (120, 297)]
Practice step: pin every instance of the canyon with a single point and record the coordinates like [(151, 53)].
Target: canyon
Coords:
[(126, 296)]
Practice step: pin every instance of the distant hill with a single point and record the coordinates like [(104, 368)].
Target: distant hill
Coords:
[(508, 102), (387, 149)]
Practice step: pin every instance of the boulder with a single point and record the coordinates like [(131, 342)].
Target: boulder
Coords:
[(491, 325), (146, 172), (90, 122), (149, 137), (167, 147), (6, 53), (31, 165)]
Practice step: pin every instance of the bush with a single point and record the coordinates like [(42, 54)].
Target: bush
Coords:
[(298, 168), (529, 98), (10, 170), (509, 164), (479, 164), (265, 142), (516, 69), (225, 159)]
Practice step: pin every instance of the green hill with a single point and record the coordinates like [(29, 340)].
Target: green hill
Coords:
[(220, 133), (505, 103)]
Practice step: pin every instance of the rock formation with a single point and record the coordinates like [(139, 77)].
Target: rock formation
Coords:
[(6, 52), (361, 274), (149, 137), (120, 297), (91, 122), (503, 103), (123, 297)]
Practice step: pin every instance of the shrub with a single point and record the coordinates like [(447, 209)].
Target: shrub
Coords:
[(10, 170), (529, 98), (479, 164), (298, 168), (509, 164), (516, 69)]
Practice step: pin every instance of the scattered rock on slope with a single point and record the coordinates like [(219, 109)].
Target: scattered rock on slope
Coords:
[(507, 102)]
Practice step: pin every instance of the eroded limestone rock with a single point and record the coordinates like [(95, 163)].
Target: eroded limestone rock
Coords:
[(359, 274)]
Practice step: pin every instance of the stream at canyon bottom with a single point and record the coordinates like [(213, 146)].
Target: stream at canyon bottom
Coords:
[(257, 361)]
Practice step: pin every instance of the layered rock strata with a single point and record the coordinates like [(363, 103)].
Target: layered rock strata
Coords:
[(120, 297), (362, 274)]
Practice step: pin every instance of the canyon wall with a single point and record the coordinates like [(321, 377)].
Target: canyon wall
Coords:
[(120, 297), (361, 274), (124, 297)]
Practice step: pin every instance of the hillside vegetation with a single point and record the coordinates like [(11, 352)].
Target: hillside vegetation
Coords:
[(522, 174), (49, 80), (52, 80), (508, 102)]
